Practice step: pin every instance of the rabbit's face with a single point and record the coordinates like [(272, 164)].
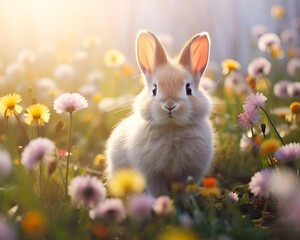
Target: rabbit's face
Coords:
[(172, 97)]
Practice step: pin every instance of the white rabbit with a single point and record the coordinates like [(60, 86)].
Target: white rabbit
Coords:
[(168, 136)]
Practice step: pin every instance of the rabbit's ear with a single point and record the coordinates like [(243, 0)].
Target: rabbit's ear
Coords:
[(150, 52), (195, 54)]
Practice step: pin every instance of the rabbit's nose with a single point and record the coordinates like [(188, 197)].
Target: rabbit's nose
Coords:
[(170, 108)]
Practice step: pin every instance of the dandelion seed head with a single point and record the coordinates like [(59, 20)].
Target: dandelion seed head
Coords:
[(259, 66), (69, 102), (268, 41)]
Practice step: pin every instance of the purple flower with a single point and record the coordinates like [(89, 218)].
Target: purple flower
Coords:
[(293, 66), (112, 209), (163, 205), (293, 90), (254, 101), (69, 102), (5, 164), (232, 197), (259, 66), (287, 153), (140, 206), (249, 118), (86, 191), (267, 41), (6, 231), (259, 184), (37, 150), (280, 88)]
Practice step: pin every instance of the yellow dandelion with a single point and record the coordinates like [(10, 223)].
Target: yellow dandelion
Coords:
[(295, 107), (126, 181), (269, 146), (9, 104), (230, 65), (37, 115), (192, 188), (99, 160), (278, 12), (178, 234), (114, 58)]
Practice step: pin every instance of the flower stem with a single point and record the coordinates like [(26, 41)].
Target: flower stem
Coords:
[(263, 213), (273, 125), (68, 157), (22, 127)]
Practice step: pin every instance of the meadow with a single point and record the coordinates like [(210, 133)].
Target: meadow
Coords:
[(60, 102)]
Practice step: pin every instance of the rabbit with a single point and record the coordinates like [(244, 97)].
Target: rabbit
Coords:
[(168, 137)]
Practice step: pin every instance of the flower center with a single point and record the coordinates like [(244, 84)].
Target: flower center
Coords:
[(88, 192)]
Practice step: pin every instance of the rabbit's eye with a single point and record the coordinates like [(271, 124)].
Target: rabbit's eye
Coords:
[(188, 89), (154, 89)]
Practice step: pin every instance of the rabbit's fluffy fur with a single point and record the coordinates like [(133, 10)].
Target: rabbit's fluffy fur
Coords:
[(168, 137)]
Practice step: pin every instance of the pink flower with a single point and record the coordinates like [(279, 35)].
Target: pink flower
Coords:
[(140, 206), (259, 184), (247, 119), (163, 205), (232, 197), (69, 102), (86, 191), (6, 231), (259, 66), (113, 209), (293, 90), (293, 66), (5, 164), (267, 41), (280, 88), (254, 101), (37, 150), (287, 153)]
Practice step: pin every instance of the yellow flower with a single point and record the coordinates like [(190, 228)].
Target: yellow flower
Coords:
[(230, 65), (178, 234), (295, 107), (192, 188), (269, 146), (277, 52), (97, 97), (128, 70), (91, 41), (9, 104), (126, 181), (33, 225), (99, 160), (37, 115), (278, 12), (210, 188), (114, 58)]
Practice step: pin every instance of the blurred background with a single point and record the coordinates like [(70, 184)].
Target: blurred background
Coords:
[(34, 24)]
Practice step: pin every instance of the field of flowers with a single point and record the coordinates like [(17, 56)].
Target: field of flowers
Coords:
[(59, 104)]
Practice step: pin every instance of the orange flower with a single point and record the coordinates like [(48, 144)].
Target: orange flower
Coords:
[(209, 182), (33, 225)]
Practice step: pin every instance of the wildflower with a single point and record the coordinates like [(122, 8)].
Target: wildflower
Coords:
[(288, 36), (259, 184), (269, 146), (192, 188), (209, 182), (280, 88), (112, 209), (163, 206), (257, 30), (232, 197), (86, 191), (100, 230), (284, 184), (69, 102), (34, 225), (278, 12), (91, 41), (9, 104), (251, 81), (99, 160), (248, 119), (235, 83), (178, 234), (293, 90), (97, 97), (88, 89), (210, 187), (289, 152), (126, 181), (268, 41), (230, 65), (6, 231), (140, 206), (113, 58), (259, 66), (64, 73), (254, 101), (280, 112), (37, 115), (295, 107), (293, 66), (5, 165), (37, 150)]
